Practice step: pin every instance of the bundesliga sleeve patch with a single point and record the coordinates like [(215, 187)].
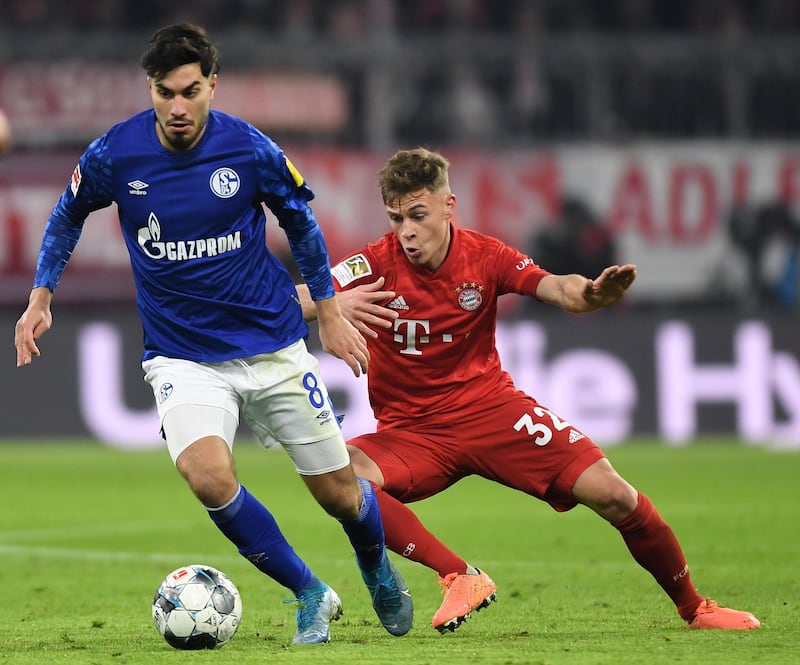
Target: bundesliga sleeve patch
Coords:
[(351, 269)]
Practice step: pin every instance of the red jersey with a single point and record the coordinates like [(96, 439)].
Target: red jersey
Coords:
[(440, 358)]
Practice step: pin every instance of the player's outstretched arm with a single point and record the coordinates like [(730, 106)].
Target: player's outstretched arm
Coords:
[(359, 306), (34, 322), (575, 293)]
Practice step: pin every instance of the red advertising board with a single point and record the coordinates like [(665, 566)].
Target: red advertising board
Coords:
[(669, 208)]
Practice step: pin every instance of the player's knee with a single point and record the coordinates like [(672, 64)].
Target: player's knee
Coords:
[(614, 502), (603, 490), (212, 489), (621, 499), (213, 484)]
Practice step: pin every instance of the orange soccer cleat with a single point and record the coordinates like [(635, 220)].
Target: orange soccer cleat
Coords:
[(709, 615), (462, 595)]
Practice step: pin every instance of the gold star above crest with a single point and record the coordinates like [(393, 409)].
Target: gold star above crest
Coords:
[(470, 285)]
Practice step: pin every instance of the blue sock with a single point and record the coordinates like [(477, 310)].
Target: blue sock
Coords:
[(252, 528), (366, 531)]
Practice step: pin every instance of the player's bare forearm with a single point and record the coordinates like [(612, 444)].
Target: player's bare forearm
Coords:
[(306, 303)]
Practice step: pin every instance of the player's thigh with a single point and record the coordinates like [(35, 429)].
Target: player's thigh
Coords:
[(414, 464), (188, 424), (528, 447), (286, 401), (364, 466), (193, 400)]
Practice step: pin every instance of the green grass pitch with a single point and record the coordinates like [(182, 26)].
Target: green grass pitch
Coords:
[(87, 533)]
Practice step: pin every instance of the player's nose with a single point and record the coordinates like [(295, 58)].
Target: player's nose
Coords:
[(407, 229), (178, 107)]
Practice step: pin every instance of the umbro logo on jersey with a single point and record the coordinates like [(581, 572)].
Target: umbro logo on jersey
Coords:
[(137, 188), (398, 303)]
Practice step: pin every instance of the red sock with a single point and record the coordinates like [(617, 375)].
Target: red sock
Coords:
[(406, 535), (655, 547)]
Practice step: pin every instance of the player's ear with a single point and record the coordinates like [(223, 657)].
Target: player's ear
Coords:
[(212, 83), (449, 204)]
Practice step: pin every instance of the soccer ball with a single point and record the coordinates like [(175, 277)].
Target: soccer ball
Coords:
[(197, 607)]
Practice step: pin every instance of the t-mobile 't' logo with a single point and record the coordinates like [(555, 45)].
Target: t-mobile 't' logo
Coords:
[(410, 337)]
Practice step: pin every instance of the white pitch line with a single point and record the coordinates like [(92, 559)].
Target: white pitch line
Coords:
[(176, 558), (82, 531), (100, 555), (172, 557)]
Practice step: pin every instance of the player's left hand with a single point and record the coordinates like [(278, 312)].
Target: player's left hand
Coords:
[(35, 321), (340, 338), (609, 287)]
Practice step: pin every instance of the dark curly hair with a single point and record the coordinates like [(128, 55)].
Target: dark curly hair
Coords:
[(176, 45)]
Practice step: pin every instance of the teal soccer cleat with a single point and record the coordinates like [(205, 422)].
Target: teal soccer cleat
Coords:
[(317, 607), (390, 597)]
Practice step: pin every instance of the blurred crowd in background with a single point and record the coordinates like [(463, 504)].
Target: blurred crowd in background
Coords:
[(344, 17), (478, 72)]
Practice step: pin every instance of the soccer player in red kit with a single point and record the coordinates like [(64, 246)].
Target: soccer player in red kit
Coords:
[(445, 407)]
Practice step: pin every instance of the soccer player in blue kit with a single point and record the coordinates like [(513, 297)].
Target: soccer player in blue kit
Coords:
[(222, 322)]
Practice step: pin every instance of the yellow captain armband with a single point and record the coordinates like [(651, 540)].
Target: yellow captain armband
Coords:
[(298, 178)]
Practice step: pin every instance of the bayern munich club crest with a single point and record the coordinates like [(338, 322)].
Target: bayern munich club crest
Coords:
[(469, 296)]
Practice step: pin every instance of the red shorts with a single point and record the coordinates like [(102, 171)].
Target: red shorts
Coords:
[(515, 442)]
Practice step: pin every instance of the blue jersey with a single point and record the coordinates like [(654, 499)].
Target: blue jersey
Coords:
[(208, 288)]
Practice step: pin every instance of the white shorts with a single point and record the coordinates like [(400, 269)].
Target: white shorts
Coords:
[(280, 395)]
